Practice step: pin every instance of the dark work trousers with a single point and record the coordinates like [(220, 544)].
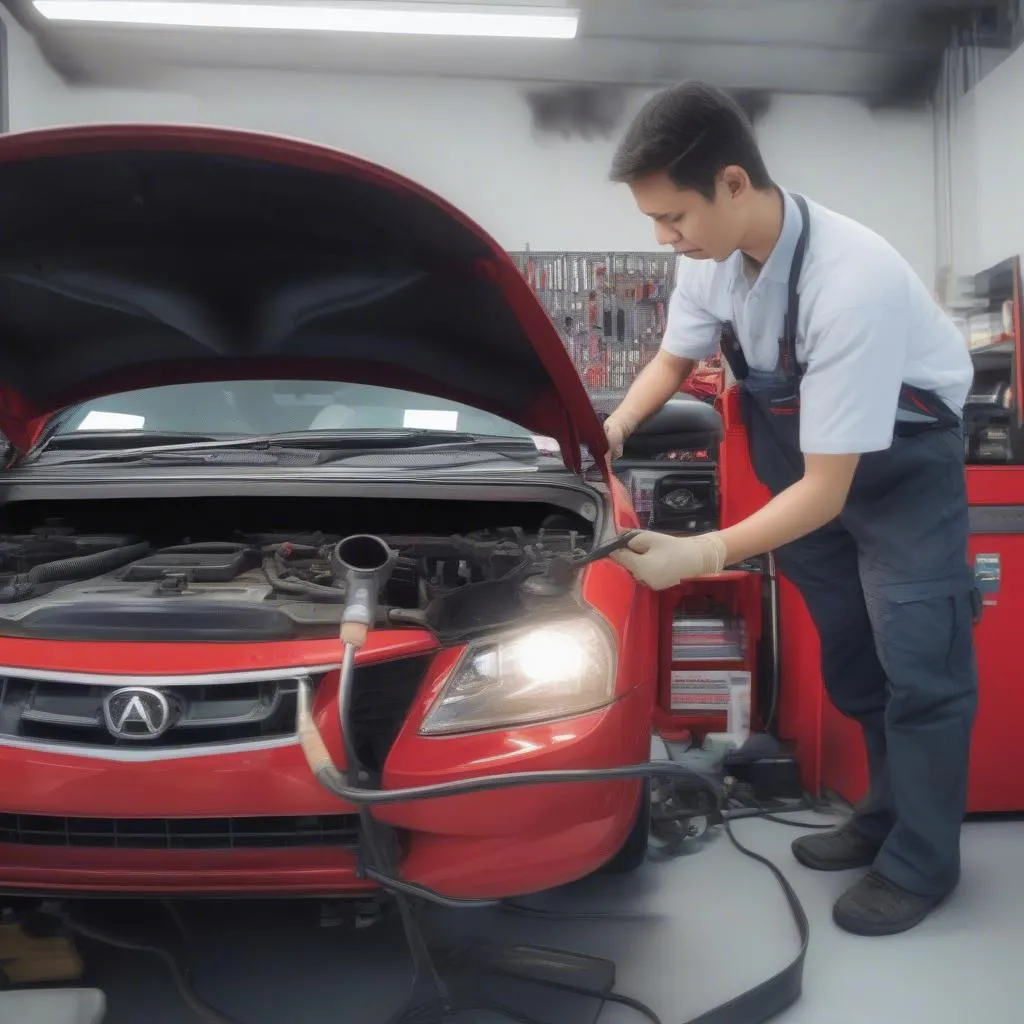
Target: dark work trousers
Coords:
[(888, 588)]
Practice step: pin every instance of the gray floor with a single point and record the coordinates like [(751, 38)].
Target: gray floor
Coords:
[(700, 929)]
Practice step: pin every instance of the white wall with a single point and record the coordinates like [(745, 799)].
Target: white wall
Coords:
[(34, 89), (877, 168), (990, 149), (987, 167), (472, 142)]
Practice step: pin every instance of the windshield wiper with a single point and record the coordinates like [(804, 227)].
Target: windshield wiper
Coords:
[(274, 445), (117, 439)]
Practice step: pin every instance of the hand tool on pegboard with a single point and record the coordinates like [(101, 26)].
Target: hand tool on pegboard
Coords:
[(618, 302)]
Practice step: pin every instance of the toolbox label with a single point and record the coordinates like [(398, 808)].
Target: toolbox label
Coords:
[(988, 573), (706, 691)]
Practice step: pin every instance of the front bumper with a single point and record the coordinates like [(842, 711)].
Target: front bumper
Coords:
[(63, 815)]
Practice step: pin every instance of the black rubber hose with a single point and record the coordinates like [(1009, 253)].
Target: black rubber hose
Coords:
[(293, 586), (332, 779), (24, 586)]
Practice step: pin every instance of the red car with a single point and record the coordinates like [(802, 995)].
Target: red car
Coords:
[(222, 354)]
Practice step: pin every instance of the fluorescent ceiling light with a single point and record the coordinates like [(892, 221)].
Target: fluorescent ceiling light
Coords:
[(392, 18)]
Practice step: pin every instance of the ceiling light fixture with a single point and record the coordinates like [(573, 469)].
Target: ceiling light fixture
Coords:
[(391, 18)]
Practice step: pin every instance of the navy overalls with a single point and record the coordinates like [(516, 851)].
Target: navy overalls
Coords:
[(888, 588)]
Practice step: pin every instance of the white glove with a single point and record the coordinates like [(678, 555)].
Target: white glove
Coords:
[(617, 430), (660, 561)]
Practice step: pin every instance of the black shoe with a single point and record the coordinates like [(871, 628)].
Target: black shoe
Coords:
[(876, 906), (842, 849)]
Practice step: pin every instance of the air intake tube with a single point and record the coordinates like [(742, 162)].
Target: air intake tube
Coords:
[(363, 564)]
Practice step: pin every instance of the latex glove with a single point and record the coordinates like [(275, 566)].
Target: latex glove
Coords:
[(660, 561), (617, 430)]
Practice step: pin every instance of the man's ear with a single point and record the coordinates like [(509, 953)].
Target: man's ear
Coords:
[(735, 180)]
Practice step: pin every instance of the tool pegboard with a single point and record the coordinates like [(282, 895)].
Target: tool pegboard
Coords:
[(610, 309)]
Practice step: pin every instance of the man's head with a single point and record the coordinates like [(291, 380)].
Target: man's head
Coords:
[(694, 166)]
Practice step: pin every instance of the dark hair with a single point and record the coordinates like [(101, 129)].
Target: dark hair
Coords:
[(690, 132)]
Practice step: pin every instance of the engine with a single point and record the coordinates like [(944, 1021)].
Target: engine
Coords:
[(60, 581)]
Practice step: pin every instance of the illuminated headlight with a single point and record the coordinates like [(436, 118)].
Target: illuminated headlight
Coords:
[(548, 672)]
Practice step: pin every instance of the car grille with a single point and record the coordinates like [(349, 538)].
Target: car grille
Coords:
[(340, 830), (72, 713), (82, 714)]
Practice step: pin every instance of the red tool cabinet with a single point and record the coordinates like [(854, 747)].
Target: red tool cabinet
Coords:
[(697, 704)]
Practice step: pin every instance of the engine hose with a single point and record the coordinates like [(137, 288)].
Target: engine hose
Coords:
[(345, 683), (293, 586), (23, 586)]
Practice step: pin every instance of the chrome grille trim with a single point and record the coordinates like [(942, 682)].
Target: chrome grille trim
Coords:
[(126, 754), (137, 754), (264, 675)]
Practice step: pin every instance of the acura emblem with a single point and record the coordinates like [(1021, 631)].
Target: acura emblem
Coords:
[(137, 713)]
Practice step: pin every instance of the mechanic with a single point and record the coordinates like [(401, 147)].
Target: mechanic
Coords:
[(852, 381)]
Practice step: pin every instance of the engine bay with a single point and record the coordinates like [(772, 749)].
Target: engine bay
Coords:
[(260, 568)]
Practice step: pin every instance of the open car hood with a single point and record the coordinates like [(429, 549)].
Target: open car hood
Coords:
[(141, 255)]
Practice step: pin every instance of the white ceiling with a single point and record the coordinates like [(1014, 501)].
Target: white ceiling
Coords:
[(877, 49)]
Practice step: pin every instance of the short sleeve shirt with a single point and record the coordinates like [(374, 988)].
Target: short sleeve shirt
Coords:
[(867, 325)]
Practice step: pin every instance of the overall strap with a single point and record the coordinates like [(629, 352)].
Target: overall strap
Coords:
[(729, 344), (787, 342)]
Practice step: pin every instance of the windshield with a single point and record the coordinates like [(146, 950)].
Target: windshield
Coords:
[(260, 407)]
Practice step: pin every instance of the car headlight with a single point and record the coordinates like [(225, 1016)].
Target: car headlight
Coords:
[(540, 674)]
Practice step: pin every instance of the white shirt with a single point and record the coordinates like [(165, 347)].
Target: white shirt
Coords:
[(867, 326)]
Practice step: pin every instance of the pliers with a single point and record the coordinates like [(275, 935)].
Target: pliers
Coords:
[(558, 572), (604, 550)]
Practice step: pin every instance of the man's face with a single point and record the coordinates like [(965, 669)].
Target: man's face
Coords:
[(684, 219)]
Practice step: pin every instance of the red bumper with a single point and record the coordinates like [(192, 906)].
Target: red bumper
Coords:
[(495, 844)]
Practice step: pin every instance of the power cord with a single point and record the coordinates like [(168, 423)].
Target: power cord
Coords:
[(179, 975), (515, 1016), (783, 989), (520, 910), (605, 997), (760, 1003), (742, 809)]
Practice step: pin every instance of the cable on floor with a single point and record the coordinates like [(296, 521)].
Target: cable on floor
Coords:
[(179, 975), (745, 804), (779, 991), (521, 910)]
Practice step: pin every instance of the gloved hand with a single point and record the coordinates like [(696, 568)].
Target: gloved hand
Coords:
[(660, 561), (617, 429)]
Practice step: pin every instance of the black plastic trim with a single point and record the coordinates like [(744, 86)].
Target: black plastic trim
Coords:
[(275, 832), (39, 484), (157, 620)]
